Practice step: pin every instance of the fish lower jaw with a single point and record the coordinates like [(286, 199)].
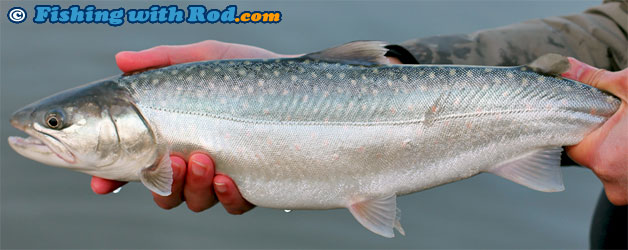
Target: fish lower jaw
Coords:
[(33, 148), (29, 143)]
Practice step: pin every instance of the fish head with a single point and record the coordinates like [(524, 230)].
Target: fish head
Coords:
[(80, 129)]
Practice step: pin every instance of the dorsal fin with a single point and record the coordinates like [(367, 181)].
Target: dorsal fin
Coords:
[(358, 52), (550, 64)]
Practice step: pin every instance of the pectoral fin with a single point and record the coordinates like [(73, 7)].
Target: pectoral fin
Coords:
[(378, 215), (158, 177), (538, 170)]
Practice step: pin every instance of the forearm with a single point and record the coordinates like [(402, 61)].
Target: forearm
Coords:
[(596, 37)]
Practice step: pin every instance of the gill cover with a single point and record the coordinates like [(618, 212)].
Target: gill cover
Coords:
[(140, 146)]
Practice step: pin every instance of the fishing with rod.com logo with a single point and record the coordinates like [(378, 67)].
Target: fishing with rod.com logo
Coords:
[(90, 14)]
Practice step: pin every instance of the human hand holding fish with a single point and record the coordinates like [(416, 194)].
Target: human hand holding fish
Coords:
[(196, 190), (605, 150)]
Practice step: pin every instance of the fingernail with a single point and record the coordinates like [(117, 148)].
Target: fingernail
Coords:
[(220, 187), (198, 168), (177, 164)]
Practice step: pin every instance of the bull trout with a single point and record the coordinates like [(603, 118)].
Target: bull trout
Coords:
[(339, 128)]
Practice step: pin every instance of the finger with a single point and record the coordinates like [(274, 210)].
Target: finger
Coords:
[(178, 176), (166, 55), (229, 195), (198, 190), (614, 82), (617, 193), (105, 186)]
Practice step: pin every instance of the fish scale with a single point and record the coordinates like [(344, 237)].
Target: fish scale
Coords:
[(338, 128)]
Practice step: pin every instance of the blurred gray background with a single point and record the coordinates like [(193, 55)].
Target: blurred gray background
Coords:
[(46, 207)]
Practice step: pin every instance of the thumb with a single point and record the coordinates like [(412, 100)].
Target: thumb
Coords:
[(615, 83)]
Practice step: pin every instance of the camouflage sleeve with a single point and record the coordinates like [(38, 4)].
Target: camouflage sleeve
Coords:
[(597, 37)]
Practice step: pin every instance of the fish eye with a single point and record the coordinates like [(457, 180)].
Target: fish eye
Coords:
[(54, 120)]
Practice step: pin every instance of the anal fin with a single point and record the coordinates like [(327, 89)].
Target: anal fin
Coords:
[(380, 215), (539, 170)]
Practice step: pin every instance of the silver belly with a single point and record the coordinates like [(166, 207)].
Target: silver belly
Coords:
[(323, 166)]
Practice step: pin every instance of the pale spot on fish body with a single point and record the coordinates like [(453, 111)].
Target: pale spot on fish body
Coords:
[(452, 72), (510, 75), (241, 72), (293, 78), (432, 75), (541, 79), (610, 99), (469, 73), (404, 77), (328, 75)]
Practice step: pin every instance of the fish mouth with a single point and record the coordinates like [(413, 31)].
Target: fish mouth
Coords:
[(42, 147)]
